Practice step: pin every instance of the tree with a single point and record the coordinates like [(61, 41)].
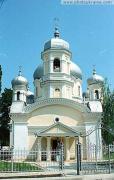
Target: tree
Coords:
[(5, 104), (108, 115), (1, 3)]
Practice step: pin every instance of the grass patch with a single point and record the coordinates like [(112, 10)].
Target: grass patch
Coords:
[(18, 166), (106, 156)]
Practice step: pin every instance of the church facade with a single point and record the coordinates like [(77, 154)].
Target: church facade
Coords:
[(58, 110)]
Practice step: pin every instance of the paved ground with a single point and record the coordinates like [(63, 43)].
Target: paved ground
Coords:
[(84, 177)]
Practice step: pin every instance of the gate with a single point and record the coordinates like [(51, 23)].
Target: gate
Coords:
[(93, 160)]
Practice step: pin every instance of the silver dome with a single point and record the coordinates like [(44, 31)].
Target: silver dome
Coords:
[(56, 42), (19, 80), (75, 70), (95, 79), (38, 73)]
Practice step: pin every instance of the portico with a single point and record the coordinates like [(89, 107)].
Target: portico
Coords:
[(49, 139)]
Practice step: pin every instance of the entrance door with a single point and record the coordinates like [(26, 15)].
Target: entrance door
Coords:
[(54, 144)]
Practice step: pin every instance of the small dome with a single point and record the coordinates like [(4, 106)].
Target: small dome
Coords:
[(95, 79), (75, 70), (56, 42), (38, 73), (19, 80)]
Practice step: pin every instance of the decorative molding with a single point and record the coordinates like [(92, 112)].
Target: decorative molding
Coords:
[(61, 101)]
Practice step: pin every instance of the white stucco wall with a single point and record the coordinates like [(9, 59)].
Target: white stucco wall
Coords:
[(20, 136)]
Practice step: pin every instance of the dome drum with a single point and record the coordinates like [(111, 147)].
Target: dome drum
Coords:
[(75, 71)]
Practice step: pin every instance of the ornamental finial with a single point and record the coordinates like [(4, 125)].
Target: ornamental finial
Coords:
[(56, 33), (94, 70), (20, 71)]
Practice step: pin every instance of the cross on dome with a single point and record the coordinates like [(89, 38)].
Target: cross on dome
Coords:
[(20, 71), (94, 70), (56, 33)]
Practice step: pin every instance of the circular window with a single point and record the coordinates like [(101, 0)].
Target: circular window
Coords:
[(56, 119)]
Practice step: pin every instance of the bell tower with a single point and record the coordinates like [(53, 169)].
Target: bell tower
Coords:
[(56, 55), (56, 58)]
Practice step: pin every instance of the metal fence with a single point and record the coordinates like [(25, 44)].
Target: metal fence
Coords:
[(27, 161), (89, 160), (94, 160)]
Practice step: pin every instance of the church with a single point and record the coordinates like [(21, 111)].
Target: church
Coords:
[(58, 110)]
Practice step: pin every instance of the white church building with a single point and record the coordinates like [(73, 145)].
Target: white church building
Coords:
[(58, 110)]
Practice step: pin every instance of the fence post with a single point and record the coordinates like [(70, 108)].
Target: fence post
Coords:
[(96, 154), (12, 163), (109, 158), (78, 158), (61, 161)]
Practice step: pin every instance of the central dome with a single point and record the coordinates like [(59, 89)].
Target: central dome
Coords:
[(56, 42)]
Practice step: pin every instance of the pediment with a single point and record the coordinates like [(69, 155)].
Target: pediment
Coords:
[(58, 129)]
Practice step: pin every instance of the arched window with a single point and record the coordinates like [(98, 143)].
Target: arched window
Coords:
[(57, 93), (18, 95), (56, 65), (96, 94)]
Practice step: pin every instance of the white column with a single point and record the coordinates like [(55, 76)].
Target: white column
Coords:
[(15, 96), (67, 149), (51, 66), (44, 64), (39, 149), (48, 148), (75, 147)]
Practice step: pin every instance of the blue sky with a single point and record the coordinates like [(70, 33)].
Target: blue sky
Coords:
[(25, 25)]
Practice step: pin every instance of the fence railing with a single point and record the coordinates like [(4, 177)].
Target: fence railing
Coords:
[(89, 160), (94, 159), (25, 161)]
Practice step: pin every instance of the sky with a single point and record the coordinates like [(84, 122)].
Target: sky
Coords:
[(25, 25)]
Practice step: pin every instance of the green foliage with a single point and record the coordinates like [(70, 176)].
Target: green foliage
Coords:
[(108, 115), (5, 104)]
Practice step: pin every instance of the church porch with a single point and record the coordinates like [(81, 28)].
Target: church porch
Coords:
[(49, 146)]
